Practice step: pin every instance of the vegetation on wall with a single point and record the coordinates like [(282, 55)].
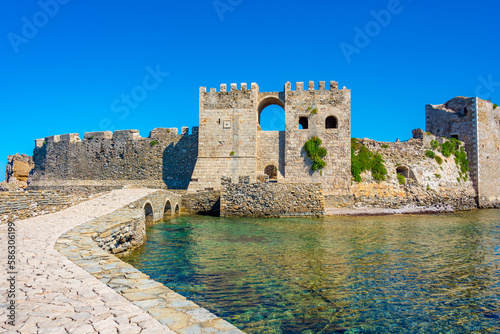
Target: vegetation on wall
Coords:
[(315, 153), (362, 160), (153, 143), (495, 106), (401, 179), (451, 147)]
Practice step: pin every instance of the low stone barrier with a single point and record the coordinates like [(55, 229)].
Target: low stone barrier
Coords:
[(264, 199), (202, 202), (89, 246), (18, 205)]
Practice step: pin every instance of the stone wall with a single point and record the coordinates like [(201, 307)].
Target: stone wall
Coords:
[(107, 160), (488, 136), (17, 171), (428, 185), (317, 106), (89, 246), (477, 123), (202, 202), (18, 205), (122, 231), (263, 199), (232, 143)]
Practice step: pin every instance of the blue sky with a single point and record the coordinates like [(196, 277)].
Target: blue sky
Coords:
[(67, 65)]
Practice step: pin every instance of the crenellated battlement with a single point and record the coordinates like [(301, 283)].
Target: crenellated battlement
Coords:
[(116, 136), (224, 88), (311, 86)]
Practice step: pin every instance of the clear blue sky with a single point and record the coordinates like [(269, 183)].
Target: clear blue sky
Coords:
[(64, 70)]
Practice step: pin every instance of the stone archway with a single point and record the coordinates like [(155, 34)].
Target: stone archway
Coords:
[(275, 121), (272, 172), (167, 211), (177, 209), (148, 214)]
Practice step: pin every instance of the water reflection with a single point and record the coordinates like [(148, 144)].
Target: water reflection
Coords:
[(396, 274)]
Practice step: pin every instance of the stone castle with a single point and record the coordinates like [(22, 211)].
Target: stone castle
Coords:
[(230, 144)]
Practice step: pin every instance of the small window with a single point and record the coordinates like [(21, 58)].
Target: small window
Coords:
[(303, 123), (331, 123), (454, 136)]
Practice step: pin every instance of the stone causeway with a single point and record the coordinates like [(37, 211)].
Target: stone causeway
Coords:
[(67, 283)]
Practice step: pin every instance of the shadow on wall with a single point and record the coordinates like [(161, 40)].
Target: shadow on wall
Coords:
[(178, 162)]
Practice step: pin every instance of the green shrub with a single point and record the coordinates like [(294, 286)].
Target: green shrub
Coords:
[(401, 179), (458, 179), (365, 160), (385, 146), (430, 154), (428, 188), (461, 160), (153, 143), (438, 160), (231, 153), (315, 153), (438, 176), (434, 144), (314, 111), (495, 106), (449, 147)]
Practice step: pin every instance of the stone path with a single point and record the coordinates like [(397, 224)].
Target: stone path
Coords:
[(54, 295)]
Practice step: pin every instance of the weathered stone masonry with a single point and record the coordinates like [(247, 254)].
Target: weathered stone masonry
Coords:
[(231, 142), (106, 160), (477, 123), (264, 199)]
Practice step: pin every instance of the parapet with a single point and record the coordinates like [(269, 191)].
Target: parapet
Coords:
[(98, 135), (299, 86), (232, 88), (126, 135)]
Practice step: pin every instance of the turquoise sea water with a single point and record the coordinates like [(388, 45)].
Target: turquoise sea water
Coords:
[(387, 274)]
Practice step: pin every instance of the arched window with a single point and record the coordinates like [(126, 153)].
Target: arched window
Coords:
[(272, 114), (303, 123), (148, 213), (167, 211), (331, 122), (272, 172)]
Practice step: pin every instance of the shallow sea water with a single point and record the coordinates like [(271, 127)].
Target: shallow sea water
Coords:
[(386, 274)]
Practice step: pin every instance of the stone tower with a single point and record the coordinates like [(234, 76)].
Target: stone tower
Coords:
[(477, 123), (231, 142)]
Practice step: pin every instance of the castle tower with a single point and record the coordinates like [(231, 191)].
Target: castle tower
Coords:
[(231, 142), (477, 123)]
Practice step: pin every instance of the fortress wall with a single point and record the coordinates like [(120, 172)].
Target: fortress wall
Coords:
[(488, 134), (428, 185), (271, 151), (336, 175), (165, 159), (262, 199), (18, 205), (457, 117), (227, 136)]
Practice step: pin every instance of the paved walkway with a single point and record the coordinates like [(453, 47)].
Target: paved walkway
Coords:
[(54, 295)]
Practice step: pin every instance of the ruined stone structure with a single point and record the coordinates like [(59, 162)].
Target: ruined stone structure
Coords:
[(231, 142), (477, 123)]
